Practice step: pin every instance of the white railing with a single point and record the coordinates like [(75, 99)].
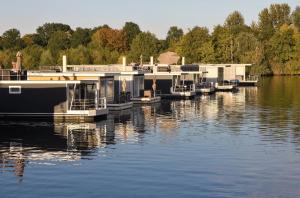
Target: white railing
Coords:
[(183, 88), (87, 104), (102, 104), (251, 78), (7, 74), (101, 68)]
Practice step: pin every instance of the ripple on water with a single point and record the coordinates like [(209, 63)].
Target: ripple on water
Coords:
[(229, 145)]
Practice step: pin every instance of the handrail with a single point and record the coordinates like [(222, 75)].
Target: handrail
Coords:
[(183, 88), (88, 104), (8, 74)]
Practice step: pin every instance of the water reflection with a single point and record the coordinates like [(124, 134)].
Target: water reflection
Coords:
[(270, 112)]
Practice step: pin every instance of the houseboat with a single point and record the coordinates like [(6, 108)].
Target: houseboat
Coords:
[(128, 83), (172, 81), (51, 95), (229, 76), (57, 100)]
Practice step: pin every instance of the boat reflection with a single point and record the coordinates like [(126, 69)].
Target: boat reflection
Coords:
[(50, 144)]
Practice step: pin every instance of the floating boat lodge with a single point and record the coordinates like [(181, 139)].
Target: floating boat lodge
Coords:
[(88, 92)]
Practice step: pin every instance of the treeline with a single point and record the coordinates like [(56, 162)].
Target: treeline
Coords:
[(272, 43)]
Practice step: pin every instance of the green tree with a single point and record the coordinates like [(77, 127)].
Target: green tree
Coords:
[(44, 32), (81, 36), (11, 39), (235, 22), (207, 52), (145, 44), (265, 25), (296, 17), (191, 44), (280, 14), (1, 43), (47, 59), (79, 56), (130, 30), (246, 48), (32, 56), (100, 55), (58, 41), (173, 37), (282, 46), (6, 58), (27, 39)]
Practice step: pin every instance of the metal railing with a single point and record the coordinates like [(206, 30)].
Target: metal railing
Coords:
[(183, 88), (204, 85), (7, 74), (251, 78), (87, 104), (102, 68)]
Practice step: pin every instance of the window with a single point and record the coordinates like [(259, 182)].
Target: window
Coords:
[(14, 89)]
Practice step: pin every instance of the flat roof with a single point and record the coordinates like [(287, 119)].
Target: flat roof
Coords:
[(43, 81), (70, 74)]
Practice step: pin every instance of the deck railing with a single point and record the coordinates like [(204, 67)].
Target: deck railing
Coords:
[(102, 68), (204, 85), (183, 88), (251, 78), (7, 74), (88, 104)]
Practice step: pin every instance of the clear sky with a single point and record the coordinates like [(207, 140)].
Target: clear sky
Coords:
[(151, 15)]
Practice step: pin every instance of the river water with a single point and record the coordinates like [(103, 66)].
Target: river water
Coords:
[(244, 144)]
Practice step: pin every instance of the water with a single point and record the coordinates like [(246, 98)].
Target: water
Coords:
[(245, 144)]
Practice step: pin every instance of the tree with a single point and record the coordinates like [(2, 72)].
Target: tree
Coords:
[(47, 59), (81, 36), (280, 14), (45, 31), (173, 36), (1, 43), (130, 30), (28, 40), (100, 55), (191, 44), (145, 44), (221, 40), (58, 41), (246, 50), (6, 58), (79, 55), (296, 17), (235, 22), (265, 25), (282, 46), (11, 39), (110, 39), (207, 52), (32, 56)]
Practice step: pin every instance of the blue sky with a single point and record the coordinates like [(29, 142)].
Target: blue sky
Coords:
[(151, 15)]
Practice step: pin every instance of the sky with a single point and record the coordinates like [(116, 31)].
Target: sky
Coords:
[(155, 16)]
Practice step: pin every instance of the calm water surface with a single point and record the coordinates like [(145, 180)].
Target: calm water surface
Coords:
[(245, 144)]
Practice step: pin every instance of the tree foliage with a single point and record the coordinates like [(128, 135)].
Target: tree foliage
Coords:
[(11, 39), (192, 43), (81, 36), (173, 37), (44, 32), (130, 31), (145, 44), (272, 43), (296, 17)]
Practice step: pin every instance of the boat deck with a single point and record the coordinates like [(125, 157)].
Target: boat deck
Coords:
[(120, 106), (146, 100)]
